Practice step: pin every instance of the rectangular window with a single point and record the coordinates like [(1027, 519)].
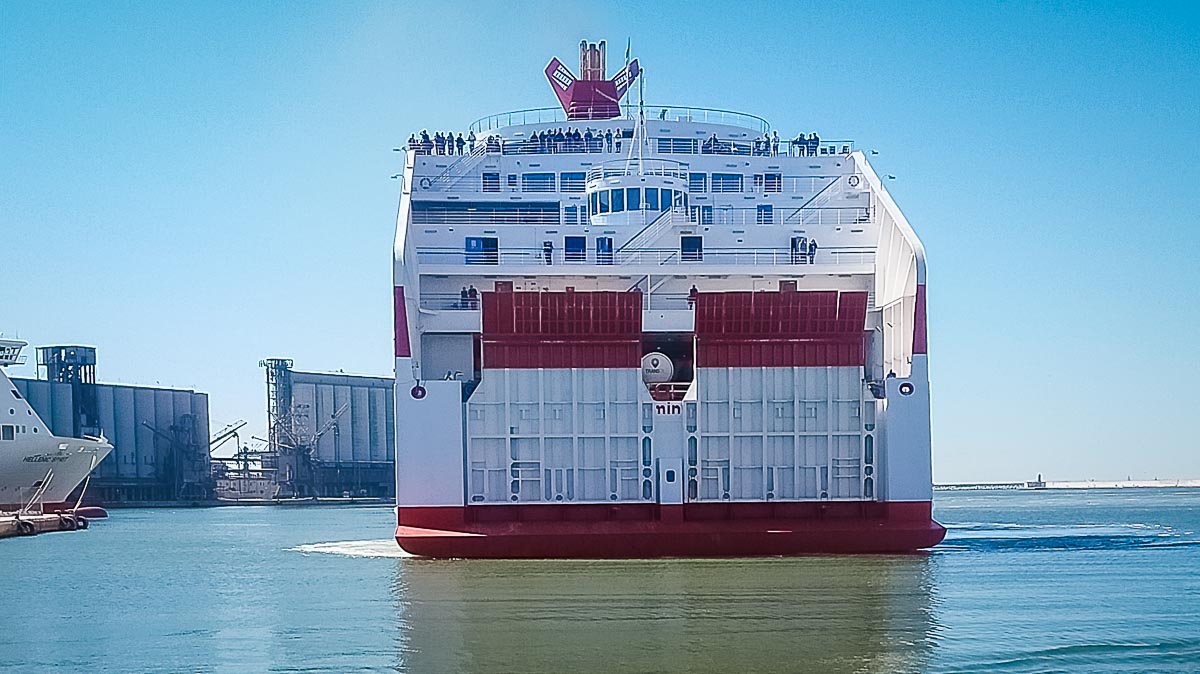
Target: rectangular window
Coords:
[(604, 250), (482, 250), (572, 182), (726, 182), (603, 201), (594, 199), (691, 248), (512, 180), (618, 201), (16, 394), (652, 198), (766, 214), (773, 182), (633, 198), (706, 215), (576, 248), (537, 182), (570, 215), (697, 182), (491, 182), (8, 432)]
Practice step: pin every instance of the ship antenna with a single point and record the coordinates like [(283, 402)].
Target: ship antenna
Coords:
[(639, 128)]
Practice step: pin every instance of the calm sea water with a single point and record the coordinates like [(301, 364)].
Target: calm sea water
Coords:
[(1026, 581)]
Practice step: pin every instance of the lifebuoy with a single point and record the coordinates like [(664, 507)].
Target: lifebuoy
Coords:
[(418, 392), (853, 180), (426, 183)]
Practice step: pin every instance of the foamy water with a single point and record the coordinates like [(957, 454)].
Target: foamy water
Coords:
[(374, 548)]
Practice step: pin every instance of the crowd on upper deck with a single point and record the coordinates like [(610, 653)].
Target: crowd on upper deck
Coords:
[(571, 139)]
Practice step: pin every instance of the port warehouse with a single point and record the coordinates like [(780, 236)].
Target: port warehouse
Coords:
[(356, 453), (160, 435)]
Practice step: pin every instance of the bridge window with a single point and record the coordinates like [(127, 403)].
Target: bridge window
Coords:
[(618, 201), (603, 201), (8, 432), (697, 182), (727, 182), (691, 248), (537, 182), (652, 198), (633, 198), (575, 248), (572, 182)]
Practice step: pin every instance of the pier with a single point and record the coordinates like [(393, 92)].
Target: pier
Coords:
[(12, 526)]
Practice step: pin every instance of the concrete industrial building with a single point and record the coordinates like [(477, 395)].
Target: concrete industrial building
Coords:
[(159, 435), (329, 434)]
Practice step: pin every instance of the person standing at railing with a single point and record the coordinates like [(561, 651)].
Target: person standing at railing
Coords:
[(814, 142), (438, 143), (812, 251), (692, 295), (463, 298), (799, 249), (548, 252), (471, 141), (426, 144), (459, 143), (774, 143), (608, 143), (473, 297)]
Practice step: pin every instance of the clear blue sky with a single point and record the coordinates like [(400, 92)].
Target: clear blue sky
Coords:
[(193, 187)]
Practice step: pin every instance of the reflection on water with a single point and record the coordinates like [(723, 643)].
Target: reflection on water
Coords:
[(813, 614)]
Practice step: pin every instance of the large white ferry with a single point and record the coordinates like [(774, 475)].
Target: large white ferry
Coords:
[(37, 469), (625, 330)]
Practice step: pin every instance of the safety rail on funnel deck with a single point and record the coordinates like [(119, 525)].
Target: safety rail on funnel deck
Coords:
[(629, 111)]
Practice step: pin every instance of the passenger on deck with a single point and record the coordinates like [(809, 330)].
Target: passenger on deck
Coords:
[(560, 141), (548, 251), (471, 141), (692, 295), (587, 140), (608, 143), (439, 143), (459, 143), (535, 142), (800, 250), (473, 297), (798, 145), (813, 143), (493, 145), (412, 142), (774, 143), (812, 251), (463, 298)]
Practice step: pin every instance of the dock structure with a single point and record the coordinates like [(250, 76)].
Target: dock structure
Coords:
[(32, 524)]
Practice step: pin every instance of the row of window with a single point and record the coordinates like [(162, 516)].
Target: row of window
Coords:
[(486, 250), (575, 182), (635, 199)]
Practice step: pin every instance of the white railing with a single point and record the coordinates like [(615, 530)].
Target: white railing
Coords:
[(629, 111), (657, 257), (668, 168), (449, 302), (695, 215)]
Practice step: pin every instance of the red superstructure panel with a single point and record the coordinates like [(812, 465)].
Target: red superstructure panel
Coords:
[(780, 329), (561, 329)]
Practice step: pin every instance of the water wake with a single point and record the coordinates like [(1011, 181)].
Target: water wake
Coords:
[(377, 548)]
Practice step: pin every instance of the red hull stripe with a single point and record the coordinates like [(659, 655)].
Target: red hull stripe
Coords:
[(560, 355), (777, 353), (649, 530), (920, 344), (403, 349)]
